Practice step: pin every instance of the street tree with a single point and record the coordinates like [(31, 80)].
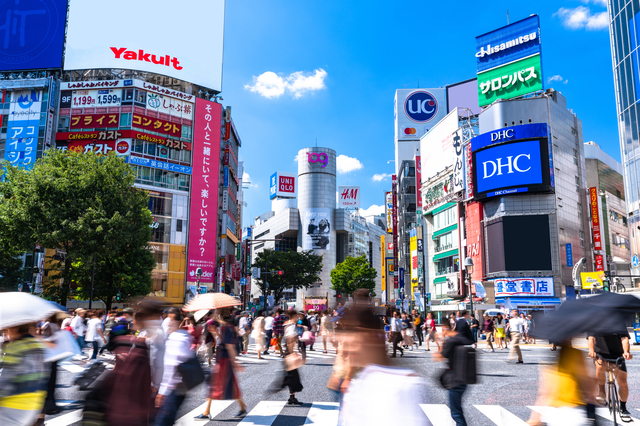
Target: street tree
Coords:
[(300, 270), (82, 204), (352, 274), (11, 271)]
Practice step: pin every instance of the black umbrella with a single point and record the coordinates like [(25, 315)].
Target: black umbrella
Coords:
[(602, 314)]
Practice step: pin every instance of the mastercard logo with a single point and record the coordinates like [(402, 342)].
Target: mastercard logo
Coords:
[(409, 131)]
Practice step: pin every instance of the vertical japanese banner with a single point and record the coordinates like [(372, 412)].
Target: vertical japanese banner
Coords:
[(418, 192), (599, 262), (203, 218), (388, 205), (394, 221), (22, 128), (383, 251), (595, 218)]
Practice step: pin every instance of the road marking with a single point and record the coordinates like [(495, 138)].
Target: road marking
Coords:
[(604, 412), (65, 419), (244, 358), (217, 407), (438, 414), (500, 416), (263, 414), (71, 367), (323, 414)]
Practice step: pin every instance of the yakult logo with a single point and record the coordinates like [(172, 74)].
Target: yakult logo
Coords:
[(140, 55), (511, 164), (318, 157)]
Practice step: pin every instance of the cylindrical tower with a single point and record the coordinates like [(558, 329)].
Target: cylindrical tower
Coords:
[(317, 203)]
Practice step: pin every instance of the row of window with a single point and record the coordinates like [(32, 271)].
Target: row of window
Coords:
[(444, 218), (162, 178), (161, 152)]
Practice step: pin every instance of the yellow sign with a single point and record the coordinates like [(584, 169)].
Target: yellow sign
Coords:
[(384, 269), (590, 278)]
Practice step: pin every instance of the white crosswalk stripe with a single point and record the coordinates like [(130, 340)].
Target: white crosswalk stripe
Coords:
[(266, 413)]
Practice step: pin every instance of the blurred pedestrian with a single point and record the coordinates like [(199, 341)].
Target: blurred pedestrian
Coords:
[(50, 332), (23, 377), (224, 382), (171, 316), (326, 329), (488, 330), (407, 332), (430, 328), (94, 334), (148, 319), (418, 322), (243, 331), (258, 334), (475, 328), (499, 335), (312, 318), (268, 331), (516, 330), (78, 327), (292, 360), (278, 329), (211, 339), (396, 333)]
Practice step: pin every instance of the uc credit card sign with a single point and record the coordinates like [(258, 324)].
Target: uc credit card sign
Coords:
[(509, 165)]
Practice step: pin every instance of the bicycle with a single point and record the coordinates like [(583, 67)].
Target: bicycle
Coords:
[(617, 288), (612, 401)]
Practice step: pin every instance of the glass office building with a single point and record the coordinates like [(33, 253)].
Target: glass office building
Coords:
[(624, 29)]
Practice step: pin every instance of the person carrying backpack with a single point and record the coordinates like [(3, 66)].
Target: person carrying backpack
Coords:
[(461, 367)]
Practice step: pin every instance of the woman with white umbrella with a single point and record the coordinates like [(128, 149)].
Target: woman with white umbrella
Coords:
[(23, 376)]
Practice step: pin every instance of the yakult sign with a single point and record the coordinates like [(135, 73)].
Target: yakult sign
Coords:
[(283, 185)]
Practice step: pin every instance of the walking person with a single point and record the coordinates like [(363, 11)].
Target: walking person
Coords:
[(407, 332), (268, 332), (312, 318), (50, 332), (292, 360), (149, 321), (499, 335), (258, 334), (94, 333), (516, 329), (475, 328), (326, 329), (396, 333), (418, 323), (224, 381), (278, 329), (78, 327), (487, 328), (430, 328), (243, 331)]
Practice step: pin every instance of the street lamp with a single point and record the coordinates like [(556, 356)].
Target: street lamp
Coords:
[(198, 275), (468, 266)]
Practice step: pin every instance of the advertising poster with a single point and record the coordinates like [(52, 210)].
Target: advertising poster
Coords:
[(394, 221), (95, 98), (22, 128), (153, 45), (95, 121), (316, 225), (418, 161), (32, 34), (510, 81), (120, 147), (599, 262), (413, 247), (595, 218), (317, 305), (203, 220), (388, 205), (524, 286), (170, 106), (418, 110), (348, 197), (156, 125), (436, 149), (283, 185), (588, 279), (383, 276)]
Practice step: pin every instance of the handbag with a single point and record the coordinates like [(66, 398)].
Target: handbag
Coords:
[(191, 372), (274, 341), (307, 337), (293, 361)]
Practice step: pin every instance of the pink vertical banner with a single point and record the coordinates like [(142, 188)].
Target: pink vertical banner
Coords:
[(203, 212)]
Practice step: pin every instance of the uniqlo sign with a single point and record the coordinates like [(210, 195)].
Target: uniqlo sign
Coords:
[(282, 185), (348, 197), (203, 217), (595, 219)]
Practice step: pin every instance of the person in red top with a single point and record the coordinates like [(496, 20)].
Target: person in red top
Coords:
[(430, 328)]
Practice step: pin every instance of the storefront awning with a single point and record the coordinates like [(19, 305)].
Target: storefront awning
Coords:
[(445, 254)]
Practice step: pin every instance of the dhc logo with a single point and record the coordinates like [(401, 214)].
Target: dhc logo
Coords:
[(511, 164), (508, 165), (421, 106), (501, 135)]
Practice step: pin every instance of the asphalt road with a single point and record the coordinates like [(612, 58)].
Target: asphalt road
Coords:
[(502, 397)]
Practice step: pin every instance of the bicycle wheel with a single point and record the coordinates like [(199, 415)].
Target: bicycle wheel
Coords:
[(613, 402), (621, 288)]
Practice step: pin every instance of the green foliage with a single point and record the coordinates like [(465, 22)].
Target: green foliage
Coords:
[(352, 274), (300, 270), (84, 204), (11, 271)]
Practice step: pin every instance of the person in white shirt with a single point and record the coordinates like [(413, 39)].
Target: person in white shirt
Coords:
[(170, 317), (396, 333), (313, 327), (244, 332), (149, 320), (268, 330), (78, 328), (516, 327), (94, 332)]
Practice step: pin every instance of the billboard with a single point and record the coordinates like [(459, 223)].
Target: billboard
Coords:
[(388, 205), (523, 287), (510, 168), (463, 95), (595, 218), (511, 80), (146, 41), (417, 111), (283, 185), (120, 146), (348, 197), (441, 148), (509, 43), (32, 34), (203, 218), (413, 247), (316, 225), (95, 121), (588, 279), (22, 128)]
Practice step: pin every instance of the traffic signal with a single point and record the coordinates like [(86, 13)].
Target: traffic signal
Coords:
[(605, 285), (280, 272), (118, 297)]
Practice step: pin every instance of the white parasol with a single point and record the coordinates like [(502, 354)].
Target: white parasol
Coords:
[(20, 308)]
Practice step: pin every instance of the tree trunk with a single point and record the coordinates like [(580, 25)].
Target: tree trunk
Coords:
[(64, 287), (108, 301)]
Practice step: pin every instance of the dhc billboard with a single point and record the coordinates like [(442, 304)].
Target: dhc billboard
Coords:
[(512, 160)]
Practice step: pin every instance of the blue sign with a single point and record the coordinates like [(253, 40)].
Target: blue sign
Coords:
[(31, 34), (421, 106), (634, 260), (225, 177), (273, 186), (401, 281), (507, 44), (249, 231), (508, 165), (139, 161), (243, 281), (523, 131), (569, 255)]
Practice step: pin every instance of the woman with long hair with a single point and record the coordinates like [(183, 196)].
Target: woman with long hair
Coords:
[(499, 325), (224, 383), (258, 334)]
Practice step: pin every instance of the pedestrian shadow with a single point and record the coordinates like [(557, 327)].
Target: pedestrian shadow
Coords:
[(496, 375)]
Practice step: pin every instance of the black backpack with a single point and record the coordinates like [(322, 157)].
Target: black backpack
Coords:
[(464, 365)]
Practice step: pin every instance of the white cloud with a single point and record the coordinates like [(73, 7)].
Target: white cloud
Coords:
[(373, 210), (271, 85), (602, 3), (581, 17), (379, 177), (246, 181), (346, 164), (558, 78)]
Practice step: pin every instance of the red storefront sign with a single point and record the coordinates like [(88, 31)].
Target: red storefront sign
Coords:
[(599, 262), (113, 135), (226, 155), (475, 239), (394, 219), (120, 147), (418, 184), (203, 223), (157, 125), (595, 219), (93, 121)]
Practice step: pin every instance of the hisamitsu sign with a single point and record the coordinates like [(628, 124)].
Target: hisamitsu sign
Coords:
[(524, 286)]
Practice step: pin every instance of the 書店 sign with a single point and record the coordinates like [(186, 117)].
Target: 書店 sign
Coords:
[(524, 286)]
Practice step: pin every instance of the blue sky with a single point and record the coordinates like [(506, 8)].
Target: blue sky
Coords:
[(297, 71)]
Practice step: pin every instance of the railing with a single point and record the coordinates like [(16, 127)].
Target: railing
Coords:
[(443, 248), (445, 271)]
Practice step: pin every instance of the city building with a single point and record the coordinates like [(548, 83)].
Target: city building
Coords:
[(311, 221), (604, 178), (625, 36)]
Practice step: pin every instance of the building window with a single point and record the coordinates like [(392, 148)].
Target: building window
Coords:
[(262, 234), (574, 132), (444, 218), (575, 157), (580, 212), (577, 184), (582, 239)]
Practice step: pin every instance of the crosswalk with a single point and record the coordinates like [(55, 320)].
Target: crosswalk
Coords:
[(252, 356), (275, 413)]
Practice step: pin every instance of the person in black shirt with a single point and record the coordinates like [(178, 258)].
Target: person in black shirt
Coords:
[(605, 349), (455, 337), (475, 328)]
